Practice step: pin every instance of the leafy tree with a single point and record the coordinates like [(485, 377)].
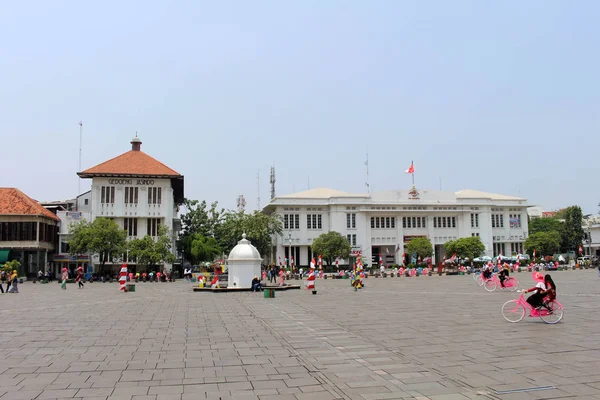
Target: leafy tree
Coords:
[(148, 251), (466, 247), (203, 248), (545, 225), (103, 237), (544, 243), (200, 220), (11, 266), (258, 227), (421, 246), (330, 246), (572, 234)]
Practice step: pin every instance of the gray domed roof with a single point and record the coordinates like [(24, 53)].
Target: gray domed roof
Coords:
[(244, 251)]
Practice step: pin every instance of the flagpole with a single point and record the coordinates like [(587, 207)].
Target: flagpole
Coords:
[(412, 163)]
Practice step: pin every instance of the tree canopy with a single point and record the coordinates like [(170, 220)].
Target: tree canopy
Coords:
[(545, 225), (466, 247), (572, 235), (103, 237), (544, 243), (421, 246), (330, 246), (149, 251)]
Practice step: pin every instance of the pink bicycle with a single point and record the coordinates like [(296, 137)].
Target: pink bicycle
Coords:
[(511, 283), (514, 310)]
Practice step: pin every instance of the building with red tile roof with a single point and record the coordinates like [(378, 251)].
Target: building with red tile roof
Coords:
[(27, 231)]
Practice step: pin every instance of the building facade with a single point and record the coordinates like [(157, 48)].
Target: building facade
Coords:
[(135, 190), (27, 232), (381, 223)]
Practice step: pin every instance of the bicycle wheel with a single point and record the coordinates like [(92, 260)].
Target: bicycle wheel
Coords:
[(490, 285), (479, 280), (513, 311), (554, 316), (511, 284)]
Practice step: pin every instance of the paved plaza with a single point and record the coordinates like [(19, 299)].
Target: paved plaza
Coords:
[(399, 338)]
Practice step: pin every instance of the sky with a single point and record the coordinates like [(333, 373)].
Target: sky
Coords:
[(502, 97)]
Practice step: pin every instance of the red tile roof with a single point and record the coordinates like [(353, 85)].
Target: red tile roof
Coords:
[(134, 162), (15, 202)]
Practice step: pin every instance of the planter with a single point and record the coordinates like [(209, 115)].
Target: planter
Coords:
[(314, 292), (324, 276), (430, 273)]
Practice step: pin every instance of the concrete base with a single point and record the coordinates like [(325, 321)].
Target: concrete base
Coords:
[(225, 290)]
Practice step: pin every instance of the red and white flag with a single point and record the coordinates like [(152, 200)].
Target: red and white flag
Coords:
[(123, 278), (444, 259), (411, 169), (453, 258), (292, 262), (534, 253), (397, 249), (380, 261), (337, 262), (580, 250), (320, 261), (312, 263)]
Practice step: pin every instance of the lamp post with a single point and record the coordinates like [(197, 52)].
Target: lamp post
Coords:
[(290, 251)]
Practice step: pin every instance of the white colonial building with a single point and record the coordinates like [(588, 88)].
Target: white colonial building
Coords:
[(139, 192), (379, 223)]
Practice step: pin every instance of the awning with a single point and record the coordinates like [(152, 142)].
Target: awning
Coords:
[(4, 255)]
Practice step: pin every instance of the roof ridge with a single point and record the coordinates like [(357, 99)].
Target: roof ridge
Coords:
[(158, 161)]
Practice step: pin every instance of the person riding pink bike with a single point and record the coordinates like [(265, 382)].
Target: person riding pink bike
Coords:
[(487, 271), (545, 292), (503, 274)]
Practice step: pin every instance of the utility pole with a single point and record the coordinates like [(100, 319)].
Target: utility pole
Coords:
[(79, 178)]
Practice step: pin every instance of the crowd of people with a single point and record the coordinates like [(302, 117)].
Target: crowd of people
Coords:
[(11, 280)]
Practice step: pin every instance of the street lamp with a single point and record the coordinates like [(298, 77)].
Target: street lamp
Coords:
[(290, 251)]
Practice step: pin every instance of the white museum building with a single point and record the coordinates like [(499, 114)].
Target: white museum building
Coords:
[(135, 190), (379, 223)]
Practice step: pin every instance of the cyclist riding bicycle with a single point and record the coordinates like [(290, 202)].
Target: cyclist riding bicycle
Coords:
[(487, 271), (545, 292), (503, 274)]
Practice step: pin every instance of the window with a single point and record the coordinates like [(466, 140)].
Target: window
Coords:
[(131, 195), (86, 201), (130, 226), (154, 195), (351, 239), (474, 220), (475, 234), (351, 221), (291, 221), (499, 248), (314, 221), (516, 248), (383, 222), (514, 220), (444, 222), (152, 228), (497, 221), (414, 222), (107, 195), (23, 231)]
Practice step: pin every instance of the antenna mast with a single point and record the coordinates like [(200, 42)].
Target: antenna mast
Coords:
[(241, 203), (367, 179), (258, 189), (78, 178), (272, 181)]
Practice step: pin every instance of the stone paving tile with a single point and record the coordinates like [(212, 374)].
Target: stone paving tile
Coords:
[(429, 338)]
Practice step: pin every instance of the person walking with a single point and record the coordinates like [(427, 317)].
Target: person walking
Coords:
[(65, 276), (14, 283), (2, 280), (79, 278)]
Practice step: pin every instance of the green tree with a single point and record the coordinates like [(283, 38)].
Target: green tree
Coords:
[(199, 219), (572, 234), (466, 247), (10, 266), (421, 246), (203, 248), (545, 225), (149, 251), (103, 237), (330, 246), (258, 227), (544, 243)]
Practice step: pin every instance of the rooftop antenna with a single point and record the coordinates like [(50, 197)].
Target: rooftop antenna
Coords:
[(79, 178), (367, 178), (272, 181), (258, 189), (241, 203)]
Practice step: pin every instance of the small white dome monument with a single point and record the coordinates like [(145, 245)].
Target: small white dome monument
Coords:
[(243, 265)]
